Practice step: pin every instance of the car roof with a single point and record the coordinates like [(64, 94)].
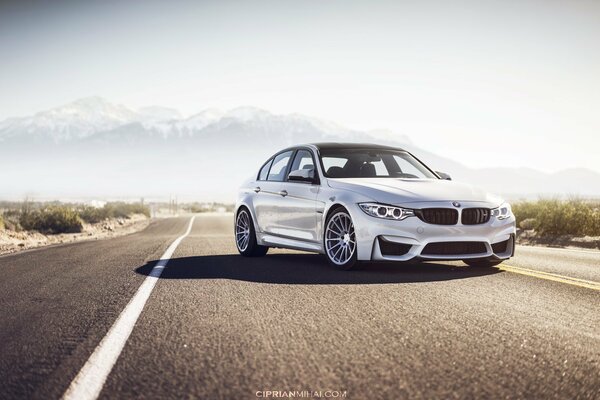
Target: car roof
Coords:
[(338, 145)]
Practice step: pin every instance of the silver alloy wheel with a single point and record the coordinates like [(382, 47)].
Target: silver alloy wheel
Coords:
[(340, 240), (242, 230)]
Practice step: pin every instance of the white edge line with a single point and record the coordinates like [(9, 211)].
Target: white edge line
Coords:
[(90, 380)]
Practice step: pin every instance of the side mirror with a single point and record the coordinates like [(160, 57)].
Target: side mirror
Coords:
[(444, 175), (302, 175)]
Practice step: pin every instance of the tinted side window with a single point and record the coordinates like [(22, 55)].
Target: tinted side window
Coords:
[(264, 171), (303, 160), (280, 163)]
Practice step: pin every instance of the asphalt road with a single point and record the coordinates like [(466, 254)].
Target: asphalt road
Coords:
[(217, 326)]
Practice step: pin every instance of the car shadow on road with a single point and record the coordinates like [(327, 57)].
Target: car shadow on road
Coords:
[(307, 269)]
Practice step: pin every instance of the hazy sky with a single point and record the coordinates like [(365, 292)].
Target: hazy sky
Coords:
[(486, 83)]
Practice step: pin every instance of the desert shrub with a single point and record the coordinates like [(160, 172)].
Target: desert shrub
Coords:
[(594, 225), (52, 219), (10, 220), (125, 210), (93, 215), (557, 217), (55, 217), (528, 223), (195, 208)]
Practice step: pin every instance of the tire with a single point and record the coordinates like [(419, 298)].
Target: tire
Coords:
[(339, 240), (245, 235), (482, 263)]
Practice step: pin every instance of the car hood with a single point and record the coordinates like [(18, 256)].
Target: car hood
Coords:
[(400, 191)]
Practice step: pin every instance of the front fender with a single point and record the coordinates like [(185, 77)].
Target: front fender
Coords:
[(349, 200)]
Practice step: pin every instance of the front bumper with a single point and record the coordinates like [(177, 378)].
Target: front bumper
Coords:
[(417, 234)]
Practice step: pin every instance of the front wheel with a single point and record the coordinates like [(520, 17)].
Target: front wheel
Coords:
[(245, 236), (340, 240)]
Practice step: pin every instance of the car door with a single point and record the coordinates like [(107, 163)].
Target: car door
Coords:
[(297, 208), (267, 198)]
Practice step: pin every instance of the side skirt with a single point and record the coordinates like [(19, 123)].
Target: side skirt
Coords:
[(271, 240)]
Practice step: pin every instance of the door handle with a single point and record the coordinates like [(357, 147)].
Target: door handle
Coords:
[(283, 193), (257, 189)]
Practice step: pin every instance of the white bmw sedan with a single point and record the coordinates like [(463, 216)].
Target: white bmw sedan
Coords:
[(363, 202)]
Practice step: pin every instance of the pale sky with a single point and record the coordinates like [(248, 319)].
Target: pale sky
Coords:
[(485, 83)]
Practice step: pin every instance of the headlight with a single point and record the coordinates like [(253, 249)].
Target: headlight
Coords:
[(502, 212), (385, 211)]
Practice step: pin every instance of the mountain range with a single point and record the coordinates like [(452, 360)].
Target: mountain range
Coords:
[(93, 148)]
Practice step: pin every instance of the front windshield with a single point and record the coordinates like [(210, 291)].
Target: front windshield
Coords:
[(372, 163)]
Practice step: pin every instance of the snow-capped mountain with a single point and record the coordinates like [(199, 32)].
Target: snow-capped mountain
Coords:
[(248, 115), (75, 120), (84, 118), (158, 114), (200, 120), (93, 147)]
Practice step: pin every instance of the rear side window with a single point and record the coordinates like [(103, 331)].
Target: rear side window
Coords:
[(264, 171), (280, 163)]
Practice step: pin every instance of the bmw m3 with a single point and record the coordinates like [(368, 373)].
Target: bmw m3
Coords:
[(362, 202)]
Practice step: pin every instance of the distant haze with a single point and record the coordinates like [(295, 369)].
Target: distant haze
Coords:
[(92, 148), (486, 83)]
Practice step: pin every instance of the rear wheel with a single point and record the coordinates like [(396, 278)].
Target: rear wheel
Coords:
[(245, 236), (482, 263), (340, 240)]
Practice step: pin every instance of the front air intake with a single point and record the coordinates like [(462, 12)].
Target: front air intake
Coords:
[(500, 247), (454, 248), (392, 248)]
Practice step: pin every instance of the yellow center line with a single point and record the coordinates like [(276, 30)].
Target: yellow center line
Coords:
[(551, 277)]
